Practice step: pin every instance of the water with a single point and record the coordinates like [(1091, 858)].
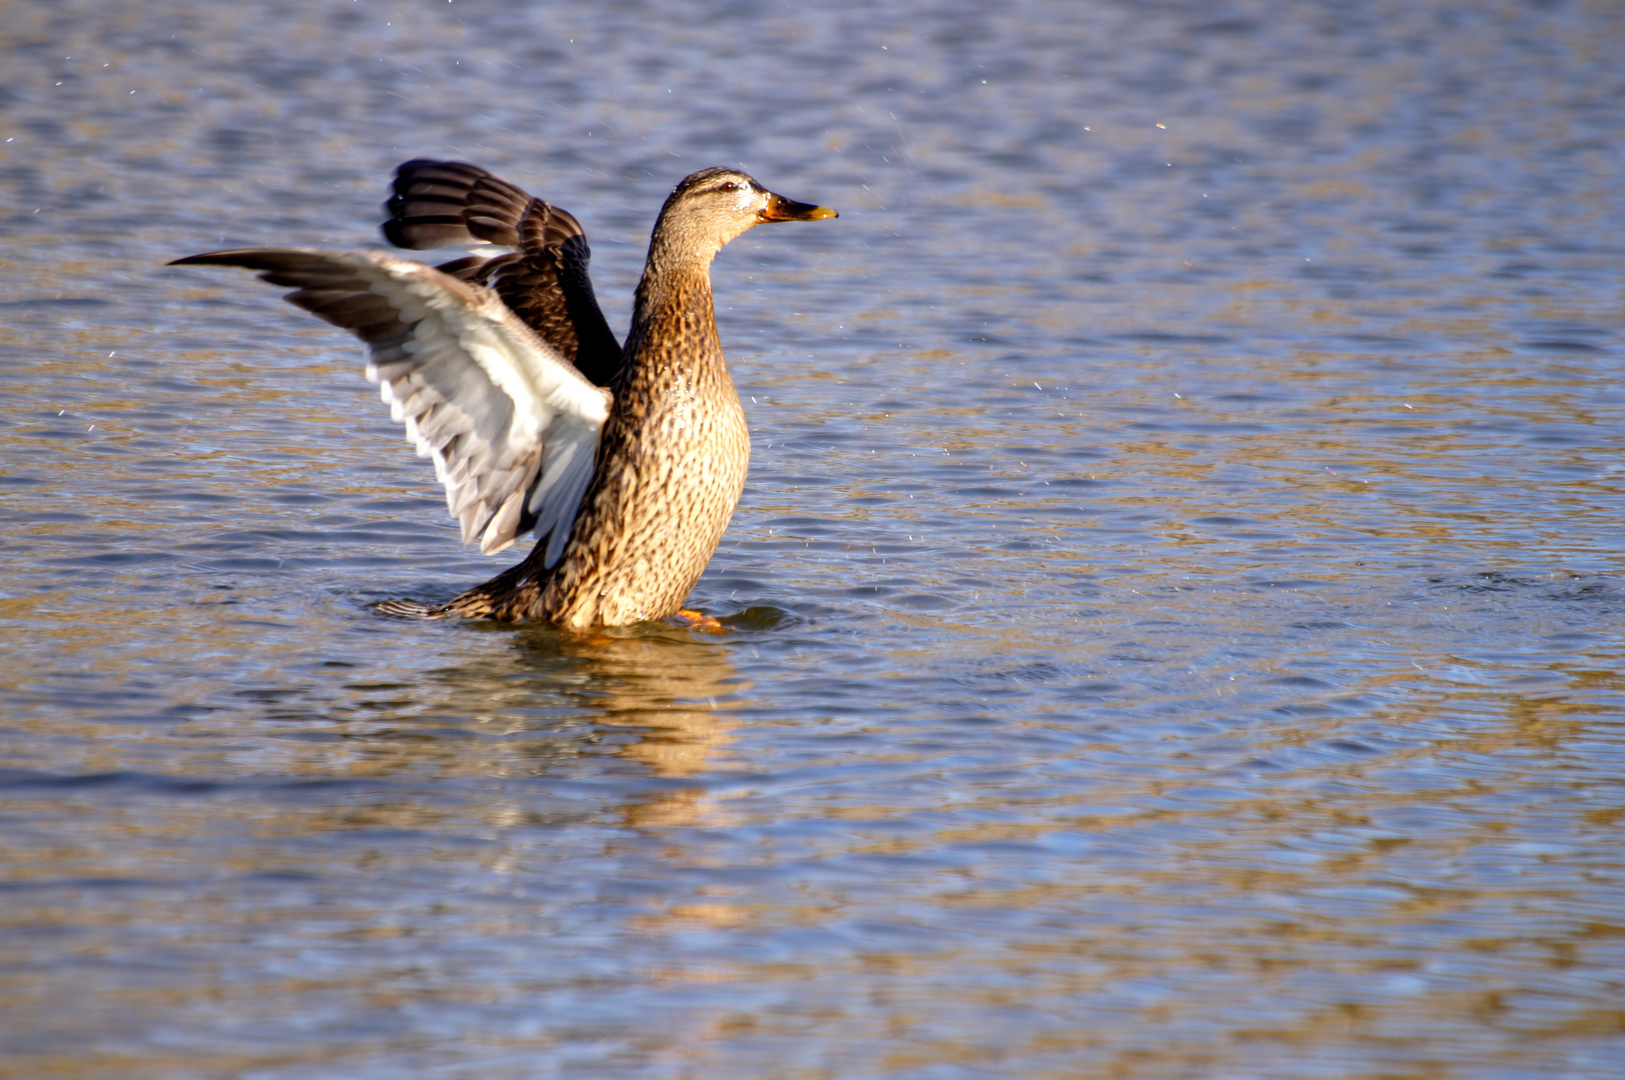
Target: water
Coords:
[(1176, 606)]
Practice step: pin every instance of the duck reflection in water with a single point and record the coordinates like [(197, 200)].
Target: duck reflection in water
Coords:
[(673, 692), (641, 715)]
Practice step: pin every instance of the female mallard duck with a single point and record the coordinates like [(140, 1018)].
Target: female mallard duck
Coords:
[(626, 463)]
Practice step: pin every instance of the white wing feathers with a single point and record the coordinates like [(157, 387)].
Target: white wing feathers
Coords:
[(511, 426)]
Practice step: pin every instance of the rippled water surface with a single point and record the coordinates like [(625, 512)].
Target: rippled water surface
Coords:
[(1176, 610)]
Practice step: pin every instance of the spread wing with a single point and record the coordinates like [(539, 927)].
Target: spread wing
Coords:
[(511, 426), (542, 278)]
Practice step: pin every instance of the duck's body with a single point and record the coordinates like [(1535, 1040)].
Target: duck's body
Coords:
[(672, 461), (628, 489)]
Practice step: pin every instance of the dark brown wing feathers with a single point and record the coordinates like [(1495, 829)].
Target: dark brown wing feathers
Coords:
[(545, 283), (432, 205)]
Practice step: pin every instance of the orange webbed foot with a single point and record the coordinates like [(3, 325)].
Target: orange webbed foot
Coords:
[(697, 620)]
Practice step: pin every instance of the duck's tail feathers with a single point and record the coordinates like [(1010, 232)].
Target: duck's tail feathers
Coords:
[(413, 609), (512, 596)]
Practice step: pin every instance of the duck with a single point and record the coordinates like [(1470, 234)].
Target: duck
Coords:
[(624, 461)]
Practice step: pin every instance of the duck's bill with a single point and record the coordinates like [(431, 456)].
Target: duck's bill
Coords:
[(781, 209)]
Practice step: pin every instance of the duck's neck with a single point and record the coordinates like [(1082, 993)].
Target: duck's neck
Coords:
[(674, 303)]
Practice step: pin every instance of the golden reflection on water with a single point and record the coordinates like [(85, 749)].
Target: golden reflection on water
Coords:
[(673, 690), (654, 699)]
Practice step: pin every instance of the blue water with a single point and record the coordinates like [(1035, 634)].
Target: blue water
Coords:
[(1176, 614)]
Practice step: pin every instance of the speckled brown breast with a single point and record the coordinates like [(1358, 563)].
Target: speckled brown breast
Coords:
[(672, 463)]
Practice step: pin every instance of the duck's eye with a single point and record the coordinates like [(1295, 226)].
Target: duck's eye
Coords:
[(730, 186)]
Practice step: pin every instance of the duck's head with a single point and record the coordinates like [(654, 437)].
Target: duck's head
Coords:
[(711, 207)]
